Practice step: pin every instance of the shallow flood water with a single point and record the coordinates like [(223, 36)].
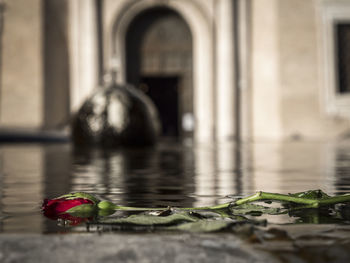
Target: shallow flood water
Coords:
[(170, 174)]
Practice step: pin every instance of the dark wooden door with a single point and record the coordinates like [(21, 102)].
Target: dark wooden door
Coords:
[(164, 93)]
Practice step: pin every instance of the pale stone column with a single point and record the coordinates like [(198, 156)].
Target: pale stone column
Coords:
[(225, 71), (203, 102), (83, 46), (203, 64), (244, 59), (21, 69), (266, 119), (266, 157)]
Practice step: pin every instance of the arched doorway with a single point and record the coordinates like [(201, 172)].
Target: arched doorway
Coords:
[(159, 61)]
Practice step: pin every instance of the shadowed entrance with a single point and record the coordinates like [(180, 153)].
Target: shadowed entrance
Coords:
[(159, 61), (164, 93)]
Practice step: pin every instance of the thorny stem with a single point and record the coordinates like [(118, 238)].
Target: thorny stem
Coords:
[(104, 204), (259, 196)]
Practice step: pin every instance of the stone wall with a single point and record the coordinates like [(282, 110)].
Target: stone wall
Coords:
[(49, 68), (35, 64), (21, 99), (287, 85)]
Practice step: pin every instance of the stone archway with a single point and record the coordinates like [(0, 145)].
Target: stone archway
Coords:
[(159, 61), (201, 29)]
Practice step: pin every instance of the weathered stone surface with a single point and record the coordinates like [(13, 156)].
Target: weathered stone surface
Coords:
[(115, 116), (326, 244), (306, 243), (127, 248)]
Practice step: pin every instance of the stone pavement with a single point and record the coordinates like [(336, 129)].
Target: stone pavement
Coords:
[(127, 248), (324, 243)]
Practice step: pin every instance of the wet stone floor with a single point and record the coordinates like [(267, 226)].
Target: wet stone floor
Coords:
[(177, 175)]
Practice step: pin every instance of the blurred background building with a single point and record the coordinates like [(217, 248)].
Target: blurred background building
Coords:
[(216, 69)]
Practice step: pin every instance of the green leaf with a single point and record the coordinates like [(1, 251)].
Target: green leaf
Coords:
[(311, 194), (149, 220)]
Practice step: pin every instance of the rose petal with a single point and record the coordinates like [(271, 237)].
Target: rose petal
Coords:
[(52, 208)]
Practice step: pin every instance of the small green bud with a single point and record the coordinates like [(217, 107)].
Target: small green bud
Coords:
[(106, 205)]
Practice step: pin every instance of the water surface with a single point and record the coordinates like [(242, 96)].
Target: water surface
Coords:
[(171, 174)]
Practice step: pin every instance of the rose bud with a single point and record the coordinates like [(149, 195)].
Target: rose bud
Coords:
[(75, 204)]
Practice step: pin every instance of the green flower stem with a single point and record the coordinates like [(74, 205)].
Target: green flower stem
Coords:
[(335, 200), (130, 208), (259, 196), (105, 205), (215, 207)]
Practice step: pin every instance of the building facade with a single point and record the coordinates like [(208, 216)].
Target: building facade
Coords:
[(216, 69)]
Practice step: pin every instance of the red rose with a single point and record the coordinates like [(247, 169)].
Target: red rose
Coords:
[(55, 207), (76, 207)]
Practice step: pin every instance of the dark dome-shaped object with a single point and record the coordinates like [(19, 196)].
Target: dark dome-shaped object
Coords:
[(116, 116)]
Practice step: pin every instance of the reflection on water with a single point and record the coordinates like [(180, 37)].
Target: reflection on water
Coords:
[(170, 174), (21, 188), (138, 177), (342, 169)]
